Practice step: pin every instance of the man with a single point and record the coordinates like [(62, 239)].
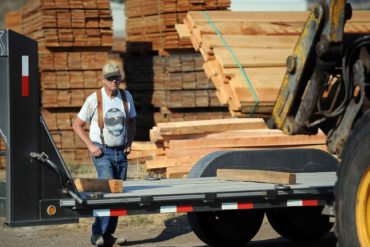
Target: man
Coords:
[(111, 113)]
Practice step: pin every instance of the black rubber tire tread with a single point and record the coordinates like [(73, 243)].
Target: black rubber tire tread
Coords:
[(283, 160), (226, 228), (355, 161), (299, 223)]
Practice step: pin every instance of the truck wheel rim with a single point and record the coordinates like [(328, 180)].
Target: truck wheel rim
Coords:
[(363, 210)]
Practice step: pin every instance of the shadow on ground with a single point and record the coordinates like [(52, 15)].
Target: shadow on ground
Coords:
[(174, 227)]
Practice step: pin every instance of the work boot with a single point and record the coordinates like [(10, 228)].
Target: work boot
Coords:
[(97, 240)]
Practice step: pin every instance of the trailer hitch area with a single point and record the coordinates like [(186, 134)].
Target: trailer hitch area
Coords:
[(63, 179)]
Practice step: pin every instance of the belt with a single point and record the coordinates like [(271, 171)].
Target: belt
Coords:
[(106, 146)]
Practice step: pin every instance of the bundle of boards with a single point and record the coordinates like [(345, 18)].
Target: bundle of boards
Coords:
[(246, 60), (184, 143)]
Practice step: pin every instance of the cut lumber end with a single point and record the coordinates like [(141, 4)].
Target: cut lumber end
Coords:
[(99, 185), (261, 176)]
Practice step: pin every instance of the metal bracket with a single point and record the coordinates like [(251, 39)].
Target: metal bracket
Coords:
[(44, 158), (339, 136)]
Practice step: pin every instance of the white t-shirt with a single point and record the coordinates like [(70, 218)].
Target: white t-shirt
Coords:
[(115, 131)]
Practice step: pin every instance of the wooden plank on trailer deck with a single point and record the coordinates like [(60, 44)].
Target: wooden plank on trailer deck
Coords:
[(98, 185), (256, 176)]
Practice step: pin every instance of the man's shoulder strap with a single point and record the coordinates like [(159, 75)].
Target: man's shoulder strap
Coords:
[(124, 101), (99, 101)]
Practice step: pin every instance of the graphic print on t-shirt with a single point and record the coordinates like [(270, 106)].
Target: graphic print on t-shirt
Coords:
[(114, 129)]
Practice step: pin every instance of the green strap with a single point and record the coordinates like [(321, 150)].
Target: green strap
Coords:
[(205, 14)]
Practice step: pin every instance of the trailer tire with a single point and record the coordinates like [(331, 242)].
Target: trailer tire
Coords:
[(299, 223), (226, 228), (352, 206)]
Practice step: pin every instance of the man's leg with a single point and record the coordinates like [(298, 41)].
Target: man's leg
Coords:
[(119, 172), (104, 169)]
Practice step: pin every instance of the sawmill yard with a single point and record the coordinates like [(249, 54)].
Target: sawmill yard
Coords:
[(192, 95)]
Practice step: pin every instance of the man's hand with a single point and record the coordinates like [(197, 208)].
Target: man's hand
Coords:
[(127, 150), (94, 150)]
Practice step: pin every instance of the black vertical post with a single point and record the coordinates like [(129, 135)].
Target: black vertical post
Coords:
[(28, 190)]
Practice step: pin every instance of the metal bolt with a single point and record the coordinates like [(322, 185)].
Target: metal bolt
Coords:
[(291, 64)]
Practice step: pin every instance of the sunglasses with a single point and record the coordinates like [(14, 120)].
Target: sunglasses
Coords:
[(114, 78)]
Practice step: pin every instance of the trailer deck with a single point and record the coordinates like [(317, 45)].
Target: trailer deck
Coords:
[(206, 193)]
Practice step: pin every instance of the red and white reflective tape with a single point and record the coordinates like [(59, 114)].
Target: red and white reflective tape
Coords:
[(190, 208), (109, 212), (236, 205), (25, 76), (302, 203), (176, 209)]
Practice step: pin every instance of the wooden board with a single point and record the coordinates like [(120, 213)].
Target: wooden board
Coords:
[(251, 141), (98, 185), (256, 176), (219, 125)]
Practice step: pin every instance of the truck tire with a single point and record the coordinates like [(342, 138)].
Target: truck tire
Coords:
[(299, 223), (352, 189), (226, 228)]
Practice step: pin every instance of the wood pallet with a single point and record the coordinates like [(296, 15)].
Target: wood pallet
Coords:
[(186, 142), (151, 24), (261, 42)]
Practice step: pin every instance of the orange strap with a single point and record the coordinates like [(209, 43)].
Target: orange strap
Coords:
[(100, 114)]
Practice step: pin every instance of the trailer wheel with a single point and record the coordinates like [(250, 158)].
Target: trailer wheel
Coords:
[(299, 223), (226, 228), (353, 188)]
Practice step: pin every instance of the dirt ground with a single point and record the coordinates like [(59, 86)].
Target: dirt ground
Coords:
[(148, 230)]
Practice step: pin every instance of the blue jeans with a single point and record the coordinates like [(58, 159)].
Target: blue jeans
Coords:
[(111, 165)]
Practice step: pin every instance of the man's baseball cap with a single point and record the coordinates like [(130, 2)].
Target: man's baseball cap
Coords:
[(110, 70)]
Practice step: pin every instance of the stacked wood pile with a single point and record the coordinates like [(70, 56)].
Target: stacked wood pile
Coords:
[(261, 41), (74, 40), (174, 87), (12, 20), (151, 24), (186, 142), (68, 23)]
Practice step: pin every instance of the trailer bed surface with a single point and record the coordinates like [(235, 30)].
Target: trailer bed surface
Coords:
[(305, 181)]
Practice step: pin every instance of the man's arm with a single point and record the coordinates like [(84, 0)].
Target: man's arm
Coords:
[(78, 125), (131, 131)]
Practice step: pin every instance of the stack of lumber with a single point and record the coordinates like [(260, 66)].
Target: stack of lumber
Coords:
[(151, 24), (261, 42), (176, 81), (186, 142), (74, 40), (176, 85), (12, 20), (68, 23)]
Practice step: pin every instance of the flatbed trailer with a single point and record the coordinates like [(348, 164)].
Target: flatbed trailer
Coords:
[(39, 189), (206, 194)]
